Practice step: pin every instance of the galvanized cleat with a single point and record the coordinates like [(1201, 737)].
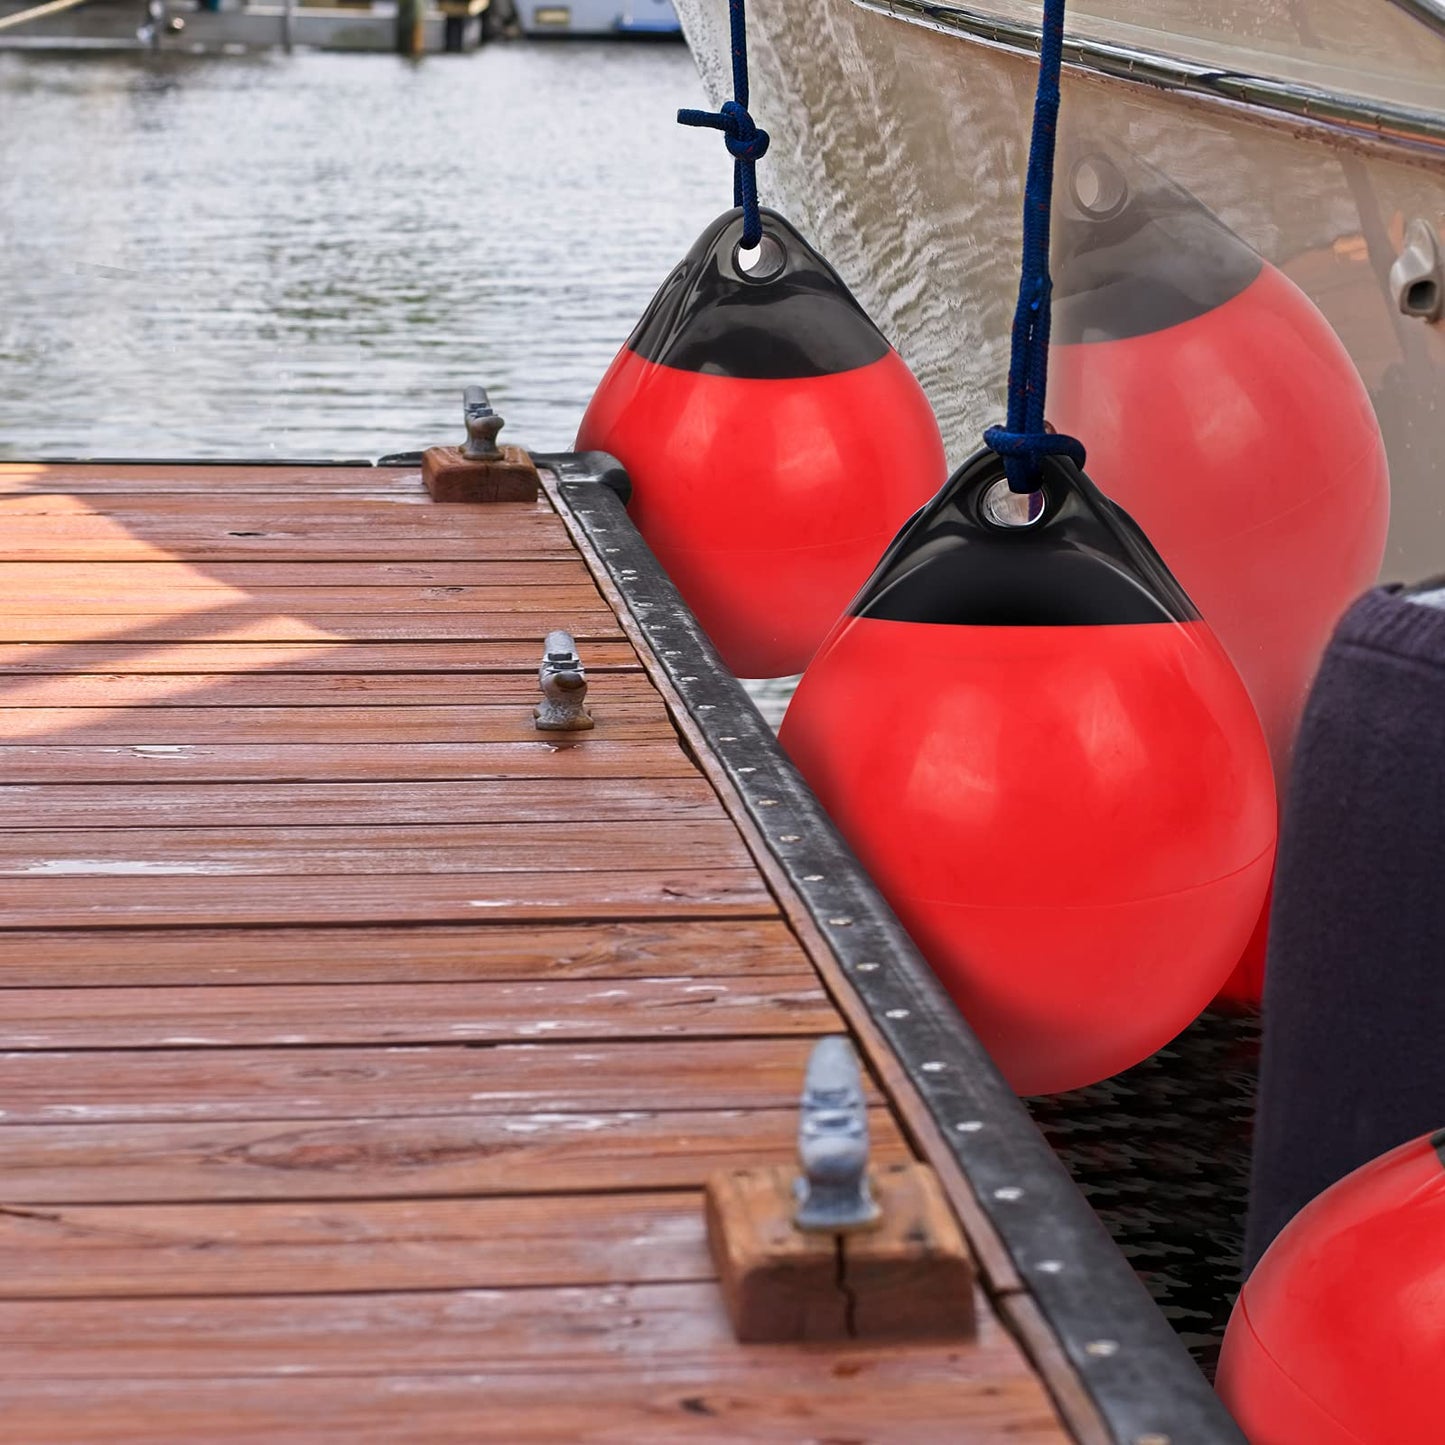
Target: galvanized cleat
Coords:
[(479, 470), (482, 425), (837, 1255), (832, 1192), (563, 708)]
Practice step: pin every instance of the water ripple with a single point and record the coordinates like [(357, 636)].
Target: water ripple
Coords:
[(311, 256)]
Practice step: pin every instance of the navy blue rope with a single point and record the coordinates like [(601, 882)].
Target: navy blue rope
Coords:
[(746, 143), (1023, 442)]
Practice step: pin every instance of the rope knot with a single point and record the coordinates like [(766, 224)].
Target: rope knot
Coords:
[(746, 144), (1022, 451), (744, 138)]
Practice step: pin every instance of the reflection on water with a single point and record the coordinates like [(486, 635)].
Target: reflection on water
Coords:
[(312, 256)]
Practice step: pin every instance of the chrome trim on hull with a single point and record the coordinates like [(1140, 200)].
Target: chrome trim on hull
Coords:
[(1427, 12), (1401, 128)]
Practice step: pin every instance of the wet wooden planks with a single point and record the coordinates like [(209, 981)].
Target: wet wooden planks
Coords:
[(364, 1050), (791, 1396), (59, 806), (464, 1155), (293, 848), (72, 759), (623, 1327), (170, 528), (284, 726), (415, 953), (291, 1014), (312, 1247), (181, 1083), (140, 654), (213, 479)]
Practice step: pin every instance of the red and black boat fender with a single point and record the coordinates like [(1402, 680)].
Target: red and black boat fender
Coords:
[(1050, 767), (774, 439), (1224, 413), (1338, 1336)]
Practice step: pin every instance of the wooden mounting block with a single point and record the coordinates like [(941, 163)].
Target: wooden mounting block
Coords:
[(452, 476), (910, 1276)]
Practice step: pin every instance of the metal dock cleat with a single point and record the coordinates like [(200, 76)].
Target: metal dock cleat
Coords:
[(563, 679), (482, 425), (846, 1251), (479, 470), (832, 1191)]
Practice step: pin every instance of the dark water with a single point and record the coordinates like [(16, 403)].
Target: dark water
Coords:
[(312, 256), (1161, 1152)]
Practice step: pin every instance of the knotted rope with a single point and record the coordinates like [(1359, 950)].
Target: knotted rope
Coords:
[(746, 143), (1022, 442)]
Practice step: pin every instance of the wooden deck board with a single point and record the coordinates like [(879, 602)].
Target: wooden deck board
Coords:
[(178, 1084), (402, 1158), (101, 597), (57, 808), (350, 1246), (47, 539), (116, 581), (535, 1332), (408, 953), (286, 1015), (71, 761), (407, 506), (74, 691), (120, 528), (146, 656), (913, 1398), (159, 899), (74, 479), (266, 726), (362, 1050), (393, 849), (225, 622)]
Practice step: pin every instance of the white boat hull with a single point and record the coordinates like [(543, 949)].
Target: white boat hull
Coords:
[(901, 151)]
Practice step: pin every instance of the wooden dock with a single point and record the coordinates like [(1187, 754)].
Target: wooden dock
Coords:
[(365, 1050)]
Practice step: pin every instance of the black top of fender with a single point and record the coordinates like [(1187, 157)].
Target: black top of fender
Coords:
[(1082, 563), (1134, 253), (798, 320)]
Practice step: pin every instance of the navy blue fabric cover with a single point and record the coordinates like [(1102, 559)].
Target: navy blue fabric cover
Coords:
[(1353, 1056)]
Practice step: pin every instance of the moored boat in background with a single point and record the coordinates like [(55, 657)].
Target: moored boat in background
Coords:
[(1315, 133), (598, 18)]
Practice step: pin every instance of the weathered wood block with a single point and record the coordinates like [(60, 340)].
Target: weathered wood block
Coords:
[(452, 476), (909, 1277)]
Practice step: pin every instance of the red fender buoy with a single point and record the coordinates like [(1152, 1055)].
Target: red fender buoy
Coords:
[(1051, 769), (1338, 1336), (1225, 415), (774, 439)]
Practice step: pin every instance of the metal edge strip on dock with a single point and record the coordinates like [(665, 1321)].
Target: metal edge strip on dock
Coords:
[(1406, 131), (1046, 1247)]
